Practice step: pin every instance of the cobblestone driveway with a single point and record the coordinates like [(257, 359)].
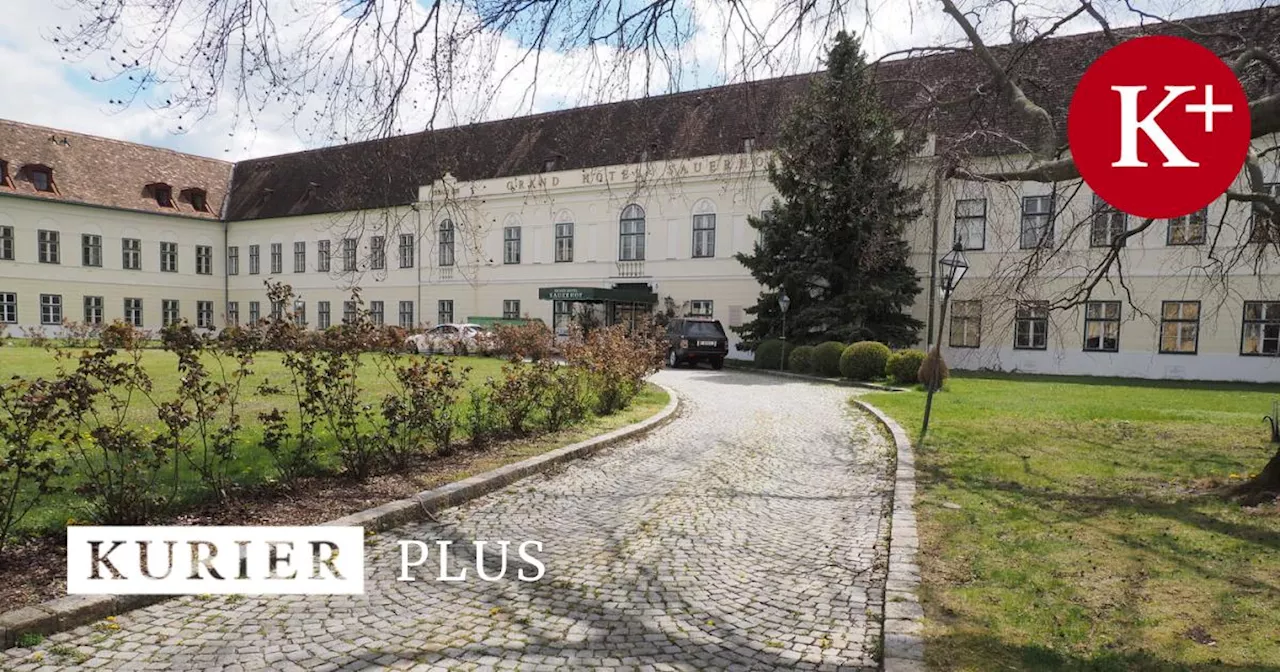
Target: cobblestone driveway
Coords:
[(746, 534)]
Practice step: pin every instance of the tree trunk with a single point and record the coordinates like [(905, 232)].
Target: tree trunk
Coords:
[(1262, 488)]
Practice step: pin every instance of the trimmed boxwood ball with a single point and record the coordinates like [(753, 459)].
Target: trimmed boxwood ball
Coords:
[(903, 366), (864, 360), (769, 354), (826, 358), (801, 359)]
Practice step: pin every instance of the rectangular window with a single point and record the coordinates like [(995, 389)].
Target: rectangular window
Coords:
[(966, 324), (323, 316), (6, 243), (204, 260), (561, 316), (1189, 229), (1261, 333), (8, 308), (700, 308), (446, 243), (1180, 327), (300, 313), (93, 309), (704, 236), (406, 314), (564, 241), (377, 314), (322, 256), (1102, 326), (1264, 231), (233, 313), (1037, 222), (444, 311), (511, 245), (631, 240), (277, 310), (41, 178), (349, 254), (49, 247), (169, 257), (50, 309), (255, 259), (971, 223), (377, 253), (233, 261), (131, 254), (1106, 224), (277, 258), (299, 257), (91, 250), (133, 312), (510, 310), (204, 314), (169, 313), (406, 250), (348, 312), (1031, 326), (255, 312)]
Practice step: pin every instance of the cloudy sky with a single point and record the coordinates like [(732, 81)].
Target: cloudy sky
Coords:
[(491, 81)]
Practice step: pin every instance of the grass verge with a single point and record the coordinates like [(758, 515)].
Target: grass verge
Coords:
[(1065, 525)]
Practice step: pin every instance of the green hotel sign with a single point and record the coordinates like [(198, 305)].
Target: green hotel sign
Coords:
[(596, 295)]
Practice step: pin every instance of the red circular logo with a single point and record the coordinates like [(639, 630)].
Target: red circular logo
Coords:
[(1159, 127)]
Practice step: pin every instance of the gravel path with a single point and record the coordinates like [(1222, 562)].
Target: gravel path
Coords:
[(746, 534)]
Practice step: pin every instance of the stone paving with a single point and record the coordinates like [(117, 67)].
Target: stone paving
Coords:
[(746, 534)]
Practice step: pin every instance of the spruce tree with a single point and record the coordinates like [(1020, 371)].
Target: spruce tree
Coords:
[(834, 237)]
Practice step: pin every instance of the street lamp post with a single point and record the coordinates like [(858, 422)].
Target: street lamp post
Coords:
[(784, 302), (952, 268)]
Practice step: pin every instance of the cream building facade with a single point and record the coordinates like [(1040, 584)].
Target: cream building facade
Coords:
[(521, 218)]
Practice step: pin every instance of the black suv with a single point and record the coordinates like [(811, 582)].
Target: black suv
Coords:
[(692, 340)]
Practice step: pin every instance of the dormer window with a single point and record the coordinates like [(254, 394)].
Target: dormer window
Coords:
[(4, 175), (163, 194), (549, 164), (198, 199), (748, 144), (41, 177)]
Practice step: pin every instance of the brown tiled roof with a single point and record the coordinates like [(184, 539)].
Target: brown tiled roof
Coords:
[(696, 123), (98, 171)]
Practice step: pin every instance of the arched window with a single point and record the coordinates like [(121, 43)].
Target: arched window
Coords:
[(704, 229), (446, 243), (631, 234)]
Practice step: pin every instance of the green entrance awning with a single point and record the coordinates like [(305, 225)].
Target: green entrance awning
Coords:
[(596, 295)]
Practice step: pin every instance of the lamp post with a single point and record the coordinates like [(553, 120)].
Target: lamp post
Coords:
[(952, 268), (784, 302)]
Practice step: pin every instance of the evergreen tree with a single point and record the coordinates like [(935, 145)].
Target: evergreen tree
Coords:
[(834, 237)]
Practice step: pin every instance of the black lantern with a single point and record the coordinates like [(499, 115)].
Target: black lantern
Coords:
[(953, 266)]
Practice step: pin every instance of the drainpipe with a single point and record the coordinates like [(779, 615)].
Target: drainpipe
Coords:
[(225, 216), (420, 259)]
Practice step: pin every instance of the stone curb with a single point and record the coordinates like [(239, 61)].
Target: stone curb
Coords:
[(815, 379), (74, 611), (903, 643)]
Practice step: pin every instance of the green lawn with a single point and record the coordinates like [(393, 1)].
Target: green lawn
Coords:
[(1085, 539), (254, 463)]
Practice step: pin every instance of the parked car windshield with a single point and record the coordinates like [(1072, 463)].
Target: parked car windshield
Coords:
[(704, 329)]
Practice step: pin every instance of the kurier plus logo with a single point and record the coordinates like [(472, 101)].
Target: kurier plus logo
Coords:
[(1159, 127)]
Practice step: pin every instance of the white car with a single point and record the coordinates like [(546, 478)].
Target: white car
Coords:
[(451, 339)]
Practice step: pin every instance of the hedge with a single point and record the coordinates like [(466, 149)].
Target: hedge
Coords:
[(801, 359), (864, 360), (826, 358)]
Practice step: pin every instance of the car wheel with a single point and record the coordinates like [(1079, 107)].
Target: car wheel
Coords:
[(717, 363), (672, 362)]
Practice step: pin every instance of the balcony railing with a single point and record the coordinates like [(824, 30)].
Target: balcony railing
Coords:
[(631, 269), (446, 272)]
